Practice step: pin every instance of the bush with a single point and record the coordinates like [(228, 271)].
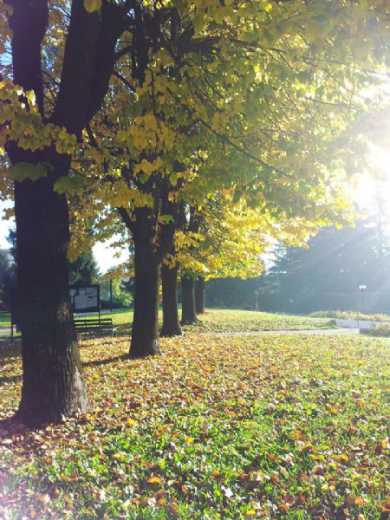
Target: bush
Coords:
[(381, 331), (350, 315)]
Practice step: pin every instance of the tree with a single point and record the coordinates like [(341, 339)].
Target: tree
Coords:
[(326, 275), (254, 95), (84, 269), (7, 280), (40, 135)]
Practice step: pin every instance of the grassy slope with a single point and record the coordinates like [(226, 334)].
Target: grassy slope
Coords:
[(234, 320), (284, 427), (223, 320), (350, 315)]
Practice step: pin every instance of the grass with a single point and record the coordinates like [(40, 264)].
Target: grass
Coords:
[(277, 426), (231, 320), (350, 315), (5, 319), (234, 320)]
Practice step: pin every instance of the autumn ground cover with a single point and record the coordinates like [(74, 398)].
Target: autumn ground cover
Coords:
[(236, 320), (217, 427), (232, 320), (223, 320)]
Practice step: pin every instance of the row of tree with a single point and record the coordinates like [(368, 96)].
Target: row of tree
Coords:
[(201, 131), (326, 275)]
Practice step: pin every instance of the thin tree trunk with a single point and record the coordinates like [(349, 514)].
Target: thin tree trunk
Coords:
[(171, 326), (188, 313), (199, 295), (144, 339)]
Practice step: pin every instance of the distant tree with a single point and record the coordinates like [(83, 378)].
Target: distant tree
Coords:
[(335, 263), (83, 270), (7, 279)]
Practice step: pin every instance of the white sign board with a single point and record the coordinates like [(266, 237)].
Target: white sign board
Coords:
[(85, 298)]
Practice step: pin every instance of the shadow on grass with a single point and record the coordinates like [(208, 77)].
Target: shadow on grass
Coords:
[(108, 361)]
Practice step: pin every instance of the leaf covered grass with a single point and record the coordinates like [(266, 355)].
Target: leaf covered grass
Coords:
[(231, 320), (218, 427)]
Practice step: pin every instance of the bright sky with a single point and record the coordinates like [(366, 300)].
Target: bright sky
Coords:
[(372, 193), (104, 254)]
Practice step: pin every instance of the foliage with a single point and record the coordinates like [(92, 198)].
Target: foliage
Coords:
[(122, 292), (7, 280), (255, 97), (350, 315), (233, 293), (83, 270), (382, 331), (298, 429), (232, 238), (328, 273)]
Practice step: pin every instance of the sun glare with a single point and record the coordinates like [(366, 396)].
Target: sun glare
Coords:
[(370, 189)]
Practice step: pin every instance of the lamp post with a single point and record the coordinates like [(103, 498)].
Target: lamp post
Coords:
[(257, 299), (362, 289)]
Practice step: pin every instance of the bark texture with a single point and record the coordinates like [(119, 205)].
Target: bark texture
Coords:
[(52, 382), (144, 338), (188, 312), (199, 295), (171, 326), (169, 271)]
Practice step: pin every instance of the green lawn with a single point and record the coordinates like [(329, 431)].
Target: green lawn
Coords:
[(218, 427), (5, 319), (221, 320), (235, 320)]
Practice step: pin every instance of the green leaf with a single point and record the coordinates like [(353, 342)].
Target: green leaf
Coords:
[(23, 170), (165, 219), (70, 185)]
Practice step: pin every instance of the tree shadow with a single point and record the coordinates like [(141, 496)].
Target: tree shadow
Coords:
[(11, 426), (107, 361)]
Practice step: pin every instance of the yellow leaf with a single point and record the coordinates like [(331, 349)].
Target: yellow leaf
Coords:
[(154, 480), (92, 5), (250, 513)]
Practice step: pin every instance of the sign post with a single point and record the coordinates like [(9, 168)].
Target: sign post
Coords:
[(85, 298)]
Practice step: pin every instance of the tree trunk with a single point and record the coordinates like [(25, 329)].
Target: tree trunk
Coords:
[(199, 295), (144, 339), (171, 326), (52, 384), (188, 313)]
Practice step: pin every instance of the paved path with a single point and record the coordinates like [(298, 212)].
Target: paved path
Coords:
[(325, 332)]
